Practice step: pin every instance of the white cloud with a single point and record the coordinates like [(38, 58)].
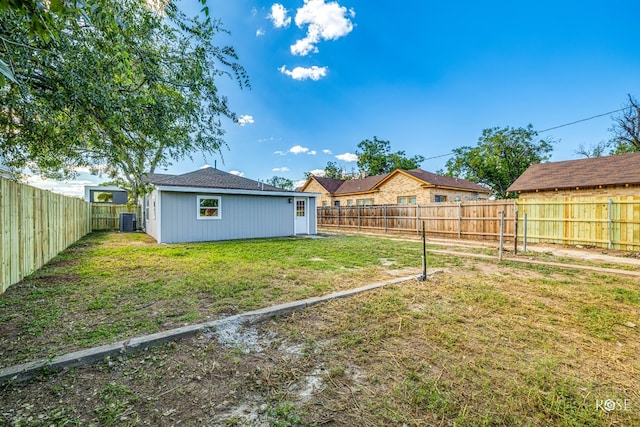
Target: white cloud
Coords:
[(260, 32), (280, 153), (279, 16), (245, 119), (301, 73), (347, 157), (317, 172), (282, 169), (327, 151), (270, 139), (238, 173), (298, 149), (325, 21), (300, 183), (205, 166), (312, 152)]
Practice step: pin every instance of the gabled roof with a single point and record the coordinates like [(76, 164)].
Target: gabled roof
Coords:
[(446, 181), (592, 172), (360, 185), (329, 184), (211, 178), (370, 183)]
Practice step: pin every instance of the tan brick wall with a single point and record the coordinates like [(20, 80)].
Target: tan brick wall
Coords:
[(605, 191), (399, 186), (464, 196), (314, 187)]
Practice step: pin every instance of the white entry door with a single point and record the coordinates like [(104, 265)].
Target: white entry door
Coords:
[(302, 216)]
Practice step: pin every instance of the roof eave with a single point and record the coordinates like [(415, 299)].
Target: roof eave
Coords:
[(179, 189)]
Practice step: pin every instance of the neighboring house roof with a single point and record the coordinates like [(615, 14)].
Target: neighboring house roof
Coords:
[(592, 172), (329, 184), (211, 178), (446, 181), (371, 183), (360, 185)]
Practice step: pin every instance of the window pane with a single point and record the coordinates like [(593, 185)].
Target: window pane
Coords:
[(208, 207), (412, 200), (300, 205), (208, 203)]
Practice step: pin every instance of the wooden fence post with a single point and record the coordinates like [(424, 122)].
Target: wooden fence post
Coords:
[(459, 220), (610, 218)]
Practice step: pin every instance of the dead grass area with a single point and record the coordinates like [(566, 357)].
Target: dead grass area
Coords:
[(479, 344)]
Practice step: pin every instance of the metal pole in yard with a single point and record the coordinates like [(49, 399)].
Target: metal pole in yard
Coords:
[(501, 235), (424, 255), (524, 234)]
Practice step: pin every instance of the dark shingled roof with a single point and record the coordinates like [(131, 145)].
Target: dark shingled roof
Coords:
[(339, 186), (329, 184), (213, 178), (154, 178), (592, 172), (358, 185), (447, 181)]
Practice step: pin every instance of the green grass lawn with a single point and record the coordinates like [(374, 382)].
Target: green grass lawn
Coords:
[(480, 344), (111, 286)]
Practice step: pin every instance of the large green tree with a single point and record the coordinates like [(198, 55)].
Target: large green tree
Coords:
[(626, 128), (127, 89), (280, 182), (499, 158), (375, 158)]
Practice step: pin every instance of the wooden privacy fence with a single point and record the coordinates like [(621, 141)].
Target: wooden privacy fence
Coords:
[(608, 222), (35, 225), (107, 217), (468, 220)]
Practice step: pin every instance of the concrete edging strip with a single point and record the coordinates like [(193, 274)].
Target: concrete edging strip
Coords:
[(84, 357)]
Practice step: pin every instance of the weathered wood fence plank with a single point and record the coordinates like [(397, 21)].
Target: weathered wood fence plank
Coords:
[(609, 222)]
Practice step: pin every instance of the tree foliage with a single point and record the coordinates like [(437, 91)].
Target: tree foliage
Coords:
[(500, 157), (280, 182), (626, 128), (375, 158), (117, 85)]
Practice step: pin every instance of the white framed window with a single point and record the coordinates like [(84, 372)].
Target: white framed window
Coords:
[(407, 200), (209, 207)]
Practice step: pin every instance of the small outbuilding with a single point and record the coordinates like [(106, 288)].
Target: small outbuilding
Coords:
[(106, 194), (209, 204), (617, 175)]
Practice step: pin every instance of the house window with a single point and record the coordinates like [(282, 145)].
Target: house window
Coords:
[(102, 197), (325, 203), (439, 198), (350, 202), (209, 207), (336, 203), (407, 200), (300, 207), (364, 202)]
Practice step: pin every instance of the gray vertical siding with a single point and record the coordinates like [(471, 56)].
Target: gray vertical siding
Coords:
[(243, 216), (313, 216)]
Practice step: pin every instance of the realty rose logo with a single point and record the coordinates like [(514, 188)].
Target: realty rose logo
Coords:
[(609, 405)]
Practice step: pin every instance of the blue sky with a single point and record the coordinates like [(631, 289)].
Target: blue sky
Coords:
[(427, 76)]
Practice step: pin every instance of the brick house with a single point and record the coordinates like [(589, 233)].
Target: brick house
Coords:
[(617, 175), (414, 186)]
